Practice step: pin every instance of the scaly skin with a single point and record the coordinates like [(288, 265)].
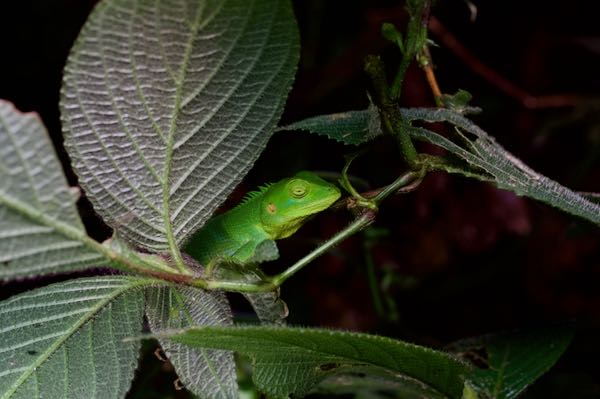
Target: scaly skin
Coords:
[(275, 211)]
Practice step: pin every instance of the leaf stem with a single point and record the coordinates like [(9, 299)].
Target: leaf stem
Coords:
[(132, 265), (114, 258)]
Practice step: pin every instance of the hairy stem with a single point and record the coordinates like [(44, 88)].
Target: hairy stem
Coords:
[(366, 218), (427, 65), (408, 178), (389, 110)]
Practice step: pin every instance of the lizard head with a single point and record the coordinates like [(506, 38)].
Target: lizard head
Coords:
[(289, 203)]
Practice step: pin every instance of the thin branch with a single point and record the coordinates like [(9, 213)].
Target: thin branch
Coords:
[(427, 66), (389, 110)]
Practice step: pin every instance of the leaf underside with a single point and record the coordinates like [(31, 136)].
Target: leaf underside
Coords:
[(166, 105), (208, 373), (39, 223), (293, 361), (504, 169), (66, 340)]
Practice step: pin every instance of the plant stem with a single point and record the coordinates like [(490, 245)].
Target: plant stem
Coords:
[(427, 65), (396, 89), (389, 110), (415, 41), (358, 224), (133, 265), (401, 181)]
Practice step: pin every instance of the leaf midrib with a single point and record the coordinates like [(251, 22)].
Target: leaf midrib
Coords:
[(171, 240), (66, 230), (368, 338)]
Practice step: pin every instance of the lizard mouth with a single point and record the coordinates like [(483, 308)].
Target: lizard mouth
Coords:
[(320, 205)]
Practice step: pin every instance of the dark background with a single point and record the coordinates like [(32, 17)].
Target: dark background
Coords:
[(458, 257)]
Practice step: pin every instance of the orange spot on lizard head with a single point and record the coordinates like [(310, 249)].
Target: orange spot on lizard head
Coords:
[(271, 208)]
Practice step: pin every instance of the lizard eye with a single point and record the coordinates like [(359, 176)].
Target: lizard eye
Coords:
[(298, 188)]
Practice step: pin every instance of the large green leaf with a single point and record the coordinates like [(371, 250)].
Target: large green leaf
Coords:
[(208, 373), (40, 229), (510, 362), (66, 340), (476, 154), (292, 361), (166, 105)]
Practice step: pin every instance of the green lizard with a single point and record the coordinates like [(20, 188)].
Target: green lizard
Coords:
[(273, 212)]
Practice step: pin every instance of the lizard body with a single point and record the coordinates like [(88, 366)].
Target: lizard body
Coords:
[(273, 212)]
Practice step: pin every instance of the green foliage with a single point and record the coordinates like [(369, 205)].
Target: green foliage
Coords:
[(513, 361), (392, 34), (133, 133), (178, 109), (474, 153), (209, 373), (40, 228), (351, 127), (66, 340), (480, 152), (459, 102), (293, 361)]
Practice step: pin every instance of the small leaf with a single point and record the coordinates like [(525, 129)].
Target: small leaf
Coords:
[(40, 229), (166, 105), (292, 361), (208, 373), (459, 102), (66, 340), (513, 361), (352, 127), (392, 34)]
